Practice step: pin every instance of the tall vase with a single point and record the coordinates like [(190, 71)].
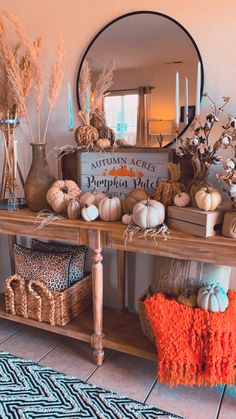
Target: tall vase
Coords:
[(39, 179)]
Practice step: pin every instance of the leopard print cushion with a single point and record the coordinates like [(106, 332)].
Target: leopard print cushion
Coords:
[(51, 268), (78, 253)]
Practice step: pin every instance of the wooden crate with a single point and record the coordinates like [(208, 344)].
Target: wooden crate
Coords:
[(195, 221)]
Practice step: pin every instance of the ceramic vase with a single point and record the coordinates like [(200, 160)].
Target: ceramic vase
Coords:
[(39, 179)]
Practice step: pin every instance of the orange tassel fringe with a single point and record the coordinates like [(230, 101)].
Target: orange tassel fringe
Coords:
[(194, 346)]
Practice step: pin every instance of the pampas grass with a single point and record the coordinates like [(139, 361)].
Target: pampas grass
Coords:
[(28, 75), (84, 84), (103, 84), (56, 79), (11, 68)]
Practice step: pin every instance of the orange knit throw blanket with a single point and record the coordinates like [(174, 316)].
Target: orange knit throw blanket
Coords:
[(194, 346)]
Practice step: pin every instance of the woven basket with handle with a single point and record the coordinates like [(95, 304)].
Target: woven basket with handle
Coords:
[(33, 299), (145, 324)]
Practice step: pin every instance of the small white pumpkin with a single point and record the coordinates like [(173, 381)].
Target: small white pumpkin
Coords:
[(127, 219), (103, 143), (212, 297), (60, 193), (208, 199), (148, 213), (87, 198), (181, 199), (110, 209), (90, 212)]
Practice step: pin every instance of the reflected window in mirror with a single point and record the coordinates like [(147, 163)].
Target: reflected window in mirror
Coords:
[(121, 115)]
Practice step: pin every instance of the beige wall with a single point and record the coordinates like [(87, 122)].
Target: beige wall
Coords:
[(211, 23)]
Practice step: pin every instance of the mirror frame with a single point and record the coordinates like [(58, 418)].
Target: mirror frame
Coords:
[(138, 13)]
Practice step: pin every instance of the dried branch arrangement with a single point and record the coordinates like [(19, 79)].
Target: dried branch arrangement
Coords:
[(198, 148)]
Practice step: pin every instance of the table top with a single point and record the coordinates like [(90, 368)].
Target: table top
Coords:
[(215, 249)]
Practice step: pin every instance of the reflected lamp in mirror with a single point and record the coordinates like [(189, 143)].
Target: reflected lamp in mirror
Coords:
[(160, 128)]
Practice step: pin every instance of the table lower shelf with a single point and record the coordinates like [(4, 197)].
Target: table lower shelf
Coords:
[(122, 331)]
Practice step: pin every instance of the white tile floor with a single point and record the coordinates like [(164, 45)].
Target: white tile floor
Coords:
[(121, 373)]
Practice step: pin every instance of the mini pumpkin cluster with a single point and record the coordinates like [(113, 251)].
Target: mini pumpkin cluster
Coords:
[(210, 297), (87, 136), (65, 197)]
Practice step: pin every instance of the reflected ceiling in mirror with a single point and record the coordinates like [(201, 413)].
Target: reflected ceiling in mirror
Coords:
[(147, 49)]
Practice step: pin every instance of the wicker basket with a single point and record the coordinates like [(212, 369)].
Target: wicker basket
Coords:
[(56, 308), (16, 296), (145, 324)]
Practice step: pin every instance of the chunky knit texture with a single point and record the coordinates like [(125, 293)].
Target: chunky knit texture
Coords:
[(194, 346)]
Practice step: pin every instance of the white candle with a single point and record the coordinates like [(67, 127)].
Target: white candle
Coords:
[(15, 157), (177, 112), (70, 107), (186, 102), (198, 90), (87, 99)]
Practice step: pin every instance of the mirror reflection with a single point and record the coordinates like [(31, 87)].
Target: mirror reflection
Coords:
[(146, 49)]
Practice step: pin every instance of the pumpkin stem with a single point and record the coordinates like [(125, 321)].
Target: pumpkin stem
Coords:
[(64, 189), (208, 189)]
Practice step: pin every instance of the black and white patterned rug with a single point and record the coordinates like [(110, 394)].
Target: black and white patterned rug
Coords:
[(30, 391)]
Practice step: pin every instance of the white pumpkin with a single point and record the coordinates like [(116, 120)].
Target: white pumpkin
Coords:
[(60, 193), (90, 213), (182, 199), (103, 143), (98, 197), (208, 199), (127, 219), (110, 209), (148, 213), (212, 297), (87, 198)]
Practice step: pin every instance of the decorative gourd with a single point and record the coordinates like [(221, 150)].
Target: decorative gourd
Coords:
[(87, 198), (106, 132), (86, 135), (73, 209), (60, 193), (208, 199), (127, 219), (98, 197), (188, 299), (103, 143), (148, 213), (212, 297), (166, 190), (90, 212), (182, 199), (110, 209), (135, 196)]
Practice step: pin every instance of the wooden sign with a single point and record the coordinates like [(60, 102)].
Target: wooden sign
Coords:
[(122, 170)]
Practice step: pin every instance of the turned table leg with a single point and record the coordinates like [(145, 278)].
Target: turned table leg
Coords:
[(121, 272), (97, 280), (11, 242)]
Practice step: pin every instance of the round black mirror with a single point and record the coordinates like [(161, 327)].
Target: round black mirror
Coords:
[(147, 48)]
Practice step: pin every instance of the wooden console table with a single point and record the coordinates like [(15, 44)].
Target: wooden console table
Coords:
[(106, 327)]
